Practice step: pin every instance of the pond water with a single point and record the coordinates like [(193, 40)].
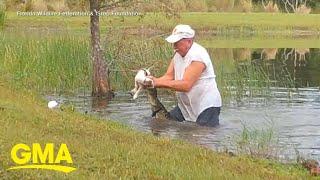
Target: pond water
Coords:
[(285, 101)]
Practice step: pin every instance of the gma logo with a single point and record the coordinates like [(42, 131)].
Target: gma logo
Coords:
[(34, 157)]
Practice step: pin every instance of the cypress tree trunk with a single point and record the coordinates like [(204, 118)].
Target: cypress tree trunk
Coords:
[(100, 78)]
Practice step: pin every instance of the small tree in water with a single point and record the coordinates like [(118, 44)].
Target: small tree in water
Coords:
[(100, 78)]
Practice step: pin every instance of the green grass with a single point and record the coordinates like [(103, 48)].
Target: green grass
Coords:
[(58, 63), (2, 17), (104, 150), (221, 23), (259, 21), (261, 42)]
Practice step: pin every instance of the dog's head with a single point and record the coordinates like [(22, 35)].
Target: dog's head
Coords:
[(146, 71), (141, 75)]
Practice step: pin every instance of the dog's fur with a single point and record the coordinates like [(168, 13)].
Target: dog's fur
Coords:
[(140, 79)]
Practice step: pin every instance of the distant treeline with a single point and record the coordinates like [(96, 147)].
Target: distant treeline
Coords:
[(285, 6)]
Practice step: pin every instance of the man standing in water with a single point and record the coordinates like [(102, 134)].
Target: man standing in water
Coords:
[(192, 76)]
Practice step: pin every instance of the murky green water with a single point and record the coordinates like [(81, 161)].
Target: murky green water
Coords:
[(262, 87)]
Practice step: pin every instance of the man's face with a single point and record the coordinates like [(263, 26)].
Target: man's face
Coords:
[(182, 46)]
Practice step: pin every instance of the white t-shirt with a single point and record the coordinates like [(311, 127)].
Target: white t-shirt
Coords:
[(204, 93)]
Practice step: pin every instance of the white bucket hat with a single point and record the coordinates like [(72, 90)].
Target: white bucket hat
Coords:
[(179, 32)]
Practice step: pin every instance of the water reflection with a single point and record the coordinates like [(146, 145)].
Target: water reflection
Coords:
[(289, 67), (242, 54), (297, 54), (269, 53)]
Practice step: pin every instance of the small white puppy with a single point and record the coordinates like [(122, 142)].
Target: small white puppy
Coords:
[(140, 80)]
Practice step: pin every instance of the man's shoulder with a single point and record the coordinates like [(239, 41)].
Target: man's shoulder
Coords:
[(197, 47), (198, 50)]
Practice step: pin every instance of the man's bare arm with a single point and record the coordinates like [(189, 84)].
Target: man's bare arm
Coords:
[(191, 75), (169, 75)]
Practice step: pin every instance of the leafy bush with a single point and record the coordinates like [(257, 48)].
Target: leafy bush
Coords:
[(178, 5), (197, 5), (226, 5), (36, 5)]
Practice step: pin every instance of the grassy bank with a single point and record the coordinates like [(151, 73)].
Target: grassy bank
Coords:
[(103, 149)]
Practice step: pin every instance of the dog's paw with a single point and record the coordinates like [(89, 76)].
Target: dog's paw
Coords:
[(135, 96), (132, 92)]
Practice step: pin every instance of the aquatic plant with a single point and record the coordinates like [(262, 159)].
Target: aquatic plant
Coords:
[(256, 142)]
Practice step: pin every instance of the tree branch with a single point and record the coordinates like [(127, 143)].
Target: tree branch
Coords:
[(119, 3)]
